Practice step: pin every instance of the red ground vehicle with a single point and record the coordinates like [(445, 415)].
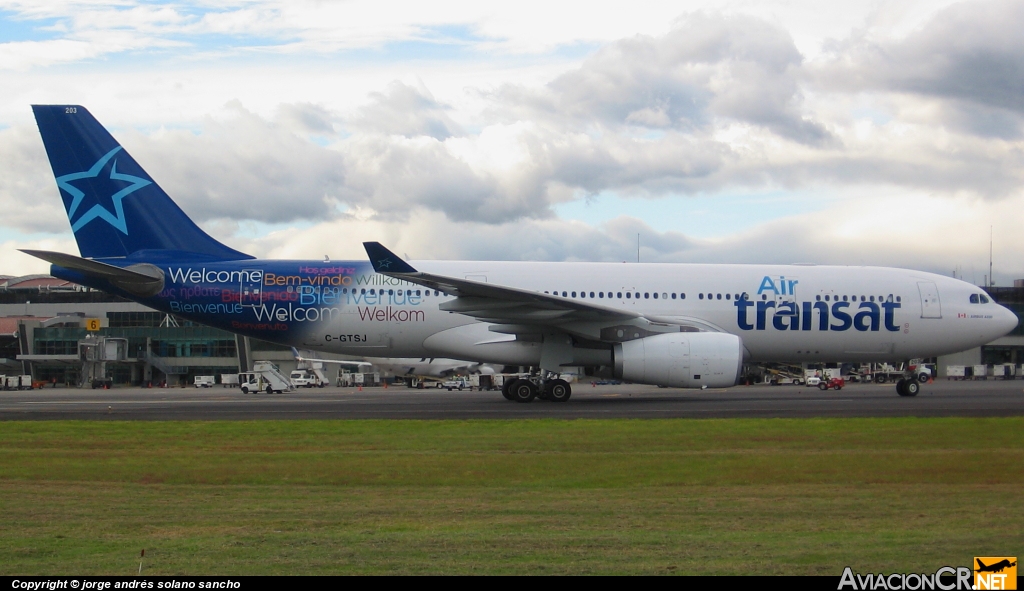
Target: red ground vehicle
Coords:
[(834, 383)]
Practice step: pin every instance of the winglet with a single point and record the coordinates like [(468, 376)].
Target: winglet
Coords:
[(385, 261)]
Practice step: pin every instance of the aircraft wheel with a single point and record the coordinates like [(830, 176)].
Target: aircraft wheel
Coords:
[(558, 391), (524, 391), (822, 386), (506, 388), (901, 387), (911, 388)]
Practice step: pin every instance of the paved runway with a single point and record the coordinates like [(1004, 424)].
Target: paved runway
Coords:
[(1002, 398)]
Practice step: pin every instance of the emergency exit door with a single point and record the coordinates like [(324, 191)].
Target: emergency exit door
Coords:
[(931, 307)]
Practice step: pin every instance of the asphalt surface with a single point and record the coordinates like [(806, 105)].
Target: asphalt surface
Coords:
[(984, 398)]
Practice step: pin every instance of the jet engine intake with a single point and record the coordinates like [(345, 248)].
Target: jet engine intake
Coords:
[(681, 360)]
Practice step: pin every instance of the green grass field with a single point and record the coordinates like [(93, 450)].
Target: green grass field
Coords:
[(548, 496)]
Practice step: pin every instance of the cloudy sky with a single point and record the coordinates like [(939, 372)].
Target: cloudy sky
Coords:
[(885, 133)]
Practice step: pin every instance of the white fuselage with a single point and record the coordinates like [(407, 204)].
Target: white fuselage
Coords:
[(791, 313)]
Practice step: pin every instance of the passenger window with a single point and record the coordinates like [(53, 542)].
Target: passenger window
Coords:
[(899, 299), (564, 295), (591, 294), (647, 295), (673, 296), (600, 294), (727, 296), (627, 295), (765, 296), (700, 296), (574, 294), (844, 298), (619, 295), (872, 298), (655, 295), (719, 296), (974, 298), (682, 296)]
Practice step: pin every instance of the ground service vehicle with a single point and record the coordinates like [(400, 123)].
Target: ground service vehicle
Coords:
[(264, 377), (308, 378), (205, 381), (455, 384), (833, 383)]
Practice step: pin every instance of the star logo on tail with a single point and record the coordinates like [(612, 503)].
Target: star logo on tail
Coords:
[(113, 180)]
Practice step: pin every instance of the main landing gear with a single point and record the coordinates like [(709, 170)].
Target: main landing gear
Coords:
[(908, 387), (526, 389)]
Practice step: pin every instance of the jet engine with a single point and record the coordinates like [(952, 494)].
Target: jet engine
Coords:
[(681, 360)]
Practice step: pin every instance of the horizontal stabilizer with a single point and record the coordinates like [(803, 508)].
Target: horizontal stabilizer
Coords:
[(142, 280)]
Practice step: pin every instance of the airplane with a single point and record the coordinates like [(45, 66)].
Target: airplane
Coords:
[(996, 567), (676, 325), (407, 367)]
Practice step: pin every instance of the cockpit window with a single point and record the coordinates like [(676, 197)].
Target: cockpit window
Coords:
[(984, 300), (974, 298)]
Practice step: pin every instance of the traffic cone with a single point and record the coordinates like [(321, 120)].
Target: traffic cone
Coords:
[(360, 388)]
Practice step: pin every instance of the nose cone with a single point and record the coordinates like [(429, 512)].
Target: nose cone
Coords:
[(1006, 321)]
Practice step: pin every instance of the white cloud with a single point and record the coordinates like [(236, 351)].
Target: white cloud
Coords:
[(465, 155)]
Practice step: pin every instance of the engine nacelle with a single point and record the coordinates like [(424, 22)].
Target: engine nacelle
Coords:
[(681, 360)]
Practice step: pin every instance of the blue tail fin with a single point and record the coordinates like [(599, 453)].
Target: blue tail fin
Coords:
[(115, 208)]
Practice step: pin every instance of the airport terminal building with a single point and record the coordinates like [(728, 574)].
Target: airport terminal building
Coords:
[(48, 326)]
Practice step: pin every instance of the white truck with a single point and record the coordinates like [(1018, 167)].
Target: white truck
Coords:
[(229, 380), (308, 378), (205, 381), (264, 377), (459, 383)]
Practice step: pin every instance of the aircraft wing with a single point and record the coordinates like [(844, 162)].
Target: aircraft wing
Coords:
[(514, 311), (488, 302), (342, 362)]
